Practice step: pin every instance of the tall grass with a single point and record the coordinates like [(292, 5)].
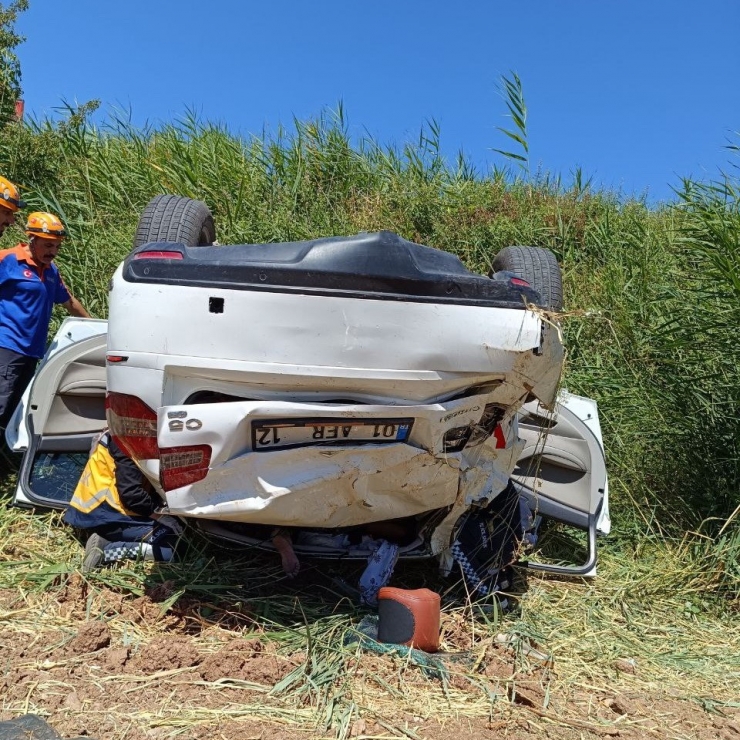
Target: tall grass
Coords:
[(651, 292)]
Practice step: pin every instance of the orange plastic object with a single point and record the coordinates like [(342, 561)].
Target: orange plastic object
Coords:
[(409, 617)]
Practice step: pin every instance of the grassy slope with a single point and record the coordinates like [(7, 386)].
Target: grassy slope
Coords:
[(652, 306)]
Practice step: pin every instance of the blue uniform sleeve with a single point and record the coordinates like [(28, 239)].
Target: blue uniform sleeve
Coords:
[(61, 294), (3, 270)]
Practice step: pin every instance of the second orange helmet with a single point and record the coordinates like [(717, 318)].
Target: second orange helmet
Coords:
[(45, 226)]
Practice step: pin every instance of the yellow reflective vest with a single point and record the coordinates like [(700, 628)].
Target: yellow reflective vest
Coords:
[(96, 500)]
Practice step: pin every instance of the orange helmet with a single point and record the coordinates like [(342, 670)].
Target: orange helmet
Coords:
[(45, 226), (10, 198)]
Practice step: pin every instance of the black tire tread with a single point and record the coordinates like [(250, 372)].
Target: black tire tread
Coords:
[(174, 218), (539, 267)]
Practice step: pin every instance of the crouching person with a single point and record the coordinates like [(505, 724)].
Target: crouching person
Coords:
[(117, 506)]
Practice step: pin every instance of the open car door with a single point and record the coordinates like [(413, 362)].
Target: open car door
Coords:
[(561, 473), (60, 413)]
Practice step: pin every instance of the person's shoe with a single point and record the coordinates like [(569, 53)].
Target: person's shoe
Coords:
[(93, 552)]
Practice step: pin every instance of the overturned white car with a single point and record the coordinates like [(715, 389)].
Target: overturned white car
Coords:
[(323, 385)]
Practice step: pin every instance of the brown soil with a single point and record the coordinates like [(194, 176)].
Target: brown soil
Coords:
[(115, 667)]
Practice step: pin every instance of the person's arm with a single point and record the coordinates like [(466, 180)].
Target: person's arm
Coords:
[(64, 297), (133, 492), (75, 308)]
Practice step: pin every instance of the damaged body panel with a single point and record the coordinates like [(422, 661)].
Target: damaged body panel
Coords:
[(322, 481)]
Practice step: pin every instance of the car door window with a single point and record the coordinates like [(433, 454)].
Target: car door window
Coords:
[(54, 475)]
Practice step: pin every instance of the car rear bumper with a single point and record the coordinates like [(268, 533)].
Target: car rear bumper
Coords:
[(332, 484)]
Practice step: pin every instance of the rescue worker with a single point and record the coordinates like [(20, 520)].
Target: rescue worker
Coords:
[(489, 541), (30, 285), (117, 506), (10, 203)]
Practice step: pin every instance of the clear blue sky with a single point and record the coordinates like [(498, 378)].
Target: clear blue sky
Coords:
[(635, 92)]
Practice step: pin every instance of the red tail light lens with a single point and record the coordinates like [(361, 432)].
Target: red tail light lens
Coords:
[(158, 255), (181, 466), (133, 425)]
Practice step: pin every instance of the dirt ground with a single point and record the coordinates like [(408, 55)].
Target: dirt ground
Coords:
[(114, 667)]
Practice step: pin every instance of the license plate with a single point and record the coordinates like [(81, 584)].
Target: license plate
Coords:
[(275, 434)]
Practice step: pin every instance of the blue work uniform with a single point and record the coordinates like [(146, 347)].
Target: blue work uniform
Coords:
[(28, 293)]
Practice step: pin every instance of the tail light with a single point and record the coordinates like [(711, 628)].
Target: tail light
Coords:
[(158, 255), (519, 282), (133, 425), (181, 466)]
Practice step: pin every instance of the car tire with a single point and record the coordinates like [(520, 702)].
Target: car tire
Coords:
[(539, 267), (174, 218)]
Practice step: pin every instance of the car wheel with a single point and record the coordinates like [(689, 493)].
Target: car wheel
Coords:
[(539, 268), (174, 218)]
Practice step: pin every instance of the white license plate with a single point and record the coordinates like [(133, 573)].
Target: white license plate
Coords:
[(274, 434)]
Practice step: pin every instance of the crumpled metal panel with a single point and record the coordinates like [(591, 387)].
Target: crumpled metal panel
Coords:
[(353, 484), (484, 473), (336, 487), (327, 485)]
